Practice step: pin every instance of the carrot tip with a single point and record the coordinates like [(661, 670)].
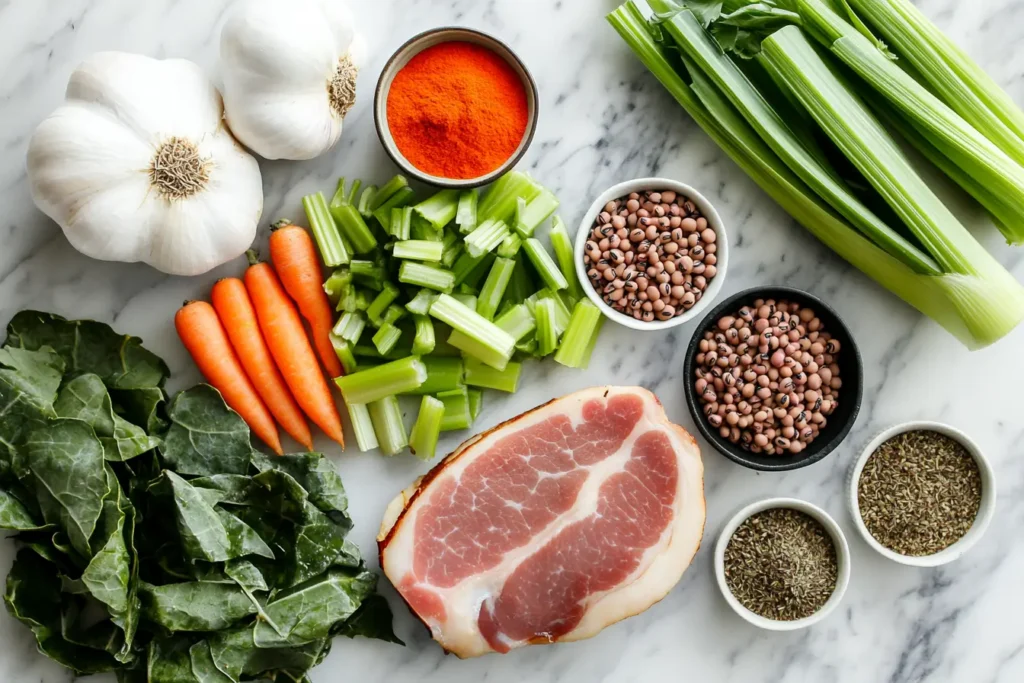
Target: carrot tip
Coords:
[(253, 256), (280, 223)]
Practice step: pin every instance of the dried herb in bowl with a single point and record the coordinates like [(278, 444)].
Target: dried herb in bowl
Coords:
[(919, 493), (781, 564)]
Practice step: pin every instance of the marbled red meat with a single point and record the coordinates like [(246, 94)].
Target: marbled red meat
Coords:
[(555, 524)]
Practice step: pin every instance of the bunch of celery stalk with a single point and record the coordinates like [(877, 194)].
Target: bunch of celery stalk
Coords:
[(815, 107), (443, 298)]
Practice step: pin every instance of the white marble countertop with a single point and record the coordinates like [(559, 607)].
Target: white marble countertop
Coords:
[(603, 119)]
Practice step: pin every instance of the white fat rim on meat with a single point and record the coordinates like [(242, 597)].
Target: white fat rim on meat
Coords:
[(659, 570)]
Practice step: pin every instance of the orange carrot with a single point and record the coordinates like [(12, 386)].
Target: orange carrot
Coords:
[(203, 335), (286, 338), (295, 259), (236, 313)]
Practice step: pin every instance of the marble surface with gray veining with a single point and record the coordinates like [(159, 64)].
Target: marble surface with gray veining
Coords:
[(603, 119)]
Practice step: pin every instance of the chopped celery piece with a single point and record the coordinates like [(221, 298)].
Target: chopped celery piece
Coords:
[(494, 287), (528, 346), (350, 327), (443, 348), (487, 236), (387, 191), (386, 338), (386, 416), (385, 380), (476, 327), (365, 200), (338, 282), (380, 304), (368, 273), (535, 213), (354, 299), (329, 241), (340, 194), (344, 352), (401, 223), (427, 429), (420, 304), (464, 265), (518, 321), (480, 375), (546, 268), (362, 425), (456, 410), (500, 201), (424, 341), (509, 246), (443, 374), (349, 221), (440, 209), (577, 343), (451, 248), (466, 299), (547, 334), (563, 248), (465, 215), (478, 272), (476, 403), (475, 349), (518, 218), (398, 200), (418, 250), (423, 275), (521, 286), (393, 314)]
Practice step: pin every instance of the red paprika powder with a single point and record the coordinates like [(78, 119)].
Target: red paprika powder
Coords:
[(457, 110)]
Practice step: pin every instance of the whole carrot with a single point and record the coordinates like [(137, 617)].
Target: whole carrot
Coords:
[(286, 338), (238, 317), (203, 335), (295, 259)]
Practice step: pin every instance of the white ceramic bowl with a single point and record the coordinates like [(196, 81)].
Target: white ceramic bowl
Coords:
[(842, 559), (639, 185), (985, 511)]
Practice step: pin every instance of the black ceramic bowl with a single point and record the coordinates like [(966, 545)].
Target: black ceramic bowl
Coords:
[(850, 370)]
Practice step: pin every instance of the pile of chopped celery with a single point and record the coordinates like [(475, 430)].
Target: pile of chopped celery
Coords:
[(804, 97), (444, 297)]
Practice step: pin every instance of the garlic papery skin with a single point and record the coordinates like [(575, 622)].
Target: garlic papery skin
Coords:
[(138, 165), (289, 70)]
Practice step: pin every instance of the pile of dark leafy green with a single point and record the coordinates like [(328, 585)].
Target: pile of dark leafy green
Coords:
[(154, 540)]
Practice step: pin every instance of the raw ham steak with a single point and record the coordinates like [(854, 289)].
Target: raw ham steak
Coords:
[(551, 526)]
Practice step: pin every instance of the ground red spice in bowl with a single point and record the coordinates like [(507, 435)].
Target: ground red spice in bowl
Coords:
[(457, 110)]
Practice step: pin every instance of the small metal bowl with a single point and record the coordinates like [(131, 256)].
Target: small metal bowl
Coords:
[(985, 512), (842, 560), (850, 371), (639, 185), (413, 47)]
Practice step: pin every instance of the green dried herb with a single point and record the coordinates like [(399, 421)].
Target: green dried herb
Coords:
[(781, 564), (919, 493)]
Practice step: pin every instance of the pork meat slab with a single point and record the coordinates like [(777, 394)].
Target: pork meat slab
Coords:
[(551, 526)]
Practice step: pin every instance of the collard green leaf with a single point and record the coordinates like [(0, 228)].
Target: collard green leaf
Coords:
[(315, 473), (246, 575), (38, 372), (236, 655), (373, 619), (107, 575), (143, 407), (33, 597), (66, 459), (85, 398), (318, 542), (28, 388), (89, 346), (194, 606), (203, 667), (206, 437), (208, 533), (14, 515), (233, 489), (168, 661), (308, 611)]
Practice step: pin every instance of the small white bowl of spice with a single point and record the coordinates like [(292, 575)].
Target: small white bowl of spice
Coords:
[(651, 253), (782, 564), (922, 493)]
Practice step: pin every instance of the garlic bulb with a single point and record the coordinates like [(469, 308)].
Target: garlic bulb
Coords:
[(289, 71), (137, 165)]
